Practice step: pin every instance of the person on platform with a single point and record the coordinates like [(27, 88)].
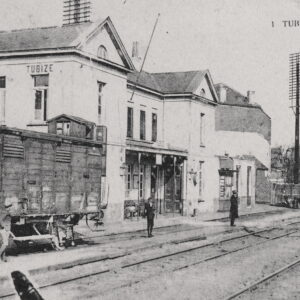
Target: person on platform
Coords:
[(149, 213), (4, 231), (233, 208)]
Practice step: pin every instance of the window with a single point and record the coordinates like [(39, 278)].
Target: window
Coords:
[(129, 122), (141, 181), (154, 127), (200, 178), (202, 129), (102, 52), (2, 82), (129, 177), (142, 125), (100, 102), (63, 128), (237, 178), (2, 99), (202, 92), (41, 83)]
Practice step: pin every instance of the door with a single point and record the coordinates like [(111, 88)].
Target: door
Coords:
[(172, 189)]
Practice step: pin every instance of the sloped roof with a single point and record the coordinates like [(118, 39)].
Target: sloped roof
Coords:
[(41, 38), (232, 95), (179, 82), (73, 118), (144, 79), (65, 37), (258, 164), (169, 83)]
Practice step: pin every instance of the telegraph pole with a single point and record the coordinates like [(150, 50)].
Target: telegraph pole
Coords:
[(294, 97), (296, 165)]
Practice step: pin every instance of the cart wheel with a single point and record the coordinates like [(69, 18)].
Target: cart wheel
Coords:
[(94, 221)]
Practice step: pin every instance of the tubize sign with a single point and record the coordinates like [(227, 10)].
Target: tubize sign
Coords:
[(40, 68)]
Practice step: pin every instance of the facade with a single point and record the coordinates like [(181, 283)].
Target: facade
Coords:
[(244, 132), (167, 133)]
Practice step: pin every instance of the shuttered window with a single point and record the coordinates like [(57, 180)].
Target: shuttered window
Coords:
[(63, 155), (13, 150)]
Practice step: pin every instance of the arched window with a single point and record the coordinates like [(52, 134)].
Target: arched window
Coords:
[(102, 52), (202, 92)]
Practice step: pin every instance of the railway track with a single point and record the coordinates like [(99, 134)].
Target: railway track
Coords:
[(95, 240), (162, 262), (263, 280)]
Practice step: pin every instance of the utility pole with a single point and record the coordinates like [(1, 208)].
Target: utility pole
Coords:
[(294, 97), (296, 166)]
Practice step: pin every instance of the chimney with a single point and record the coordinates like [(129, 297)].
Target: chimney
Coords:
[(250, 96), (135, 49), (135, 54), (76, 11), (222, 93)]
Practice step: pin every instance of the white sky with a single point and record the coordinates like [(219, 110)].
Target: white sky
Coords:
[(234, 39)]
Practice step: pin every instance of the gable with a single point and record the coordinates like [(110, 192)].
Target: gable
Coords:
[(204, 89), (104, 39), (104, 33)]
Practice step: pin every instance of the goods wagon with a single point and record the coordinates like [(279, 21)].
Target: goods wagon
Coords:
[(48, 182)]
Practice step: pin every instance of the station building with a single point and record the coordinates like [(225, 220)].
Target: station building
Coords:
[(171, 136)]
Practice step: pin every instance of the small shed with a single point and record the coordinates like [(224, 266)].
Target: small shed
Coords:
[(71, 126)]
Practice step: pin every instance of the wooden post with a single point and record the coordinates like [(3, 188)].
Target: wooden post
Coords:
[(174, 178)]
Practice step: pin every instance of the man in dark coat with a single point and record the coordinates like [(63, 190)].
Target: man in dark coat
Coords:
[(149, 213), (233, 208)]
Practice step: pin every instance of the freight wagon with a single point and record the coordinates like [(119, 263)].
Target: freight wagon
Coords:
[(49, 181)]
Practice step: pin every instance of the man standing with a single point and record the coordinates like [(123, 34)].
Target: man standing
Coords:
[(4, 231), (233, 208), (149, 213)]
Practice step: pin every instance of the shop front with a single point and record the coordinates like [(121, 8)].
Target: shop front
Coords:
[(226, 174), (156, 175)]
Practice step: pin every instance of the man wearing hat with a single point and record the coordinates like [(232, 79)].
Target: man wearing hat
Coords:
[(149, 213), (233, 208)]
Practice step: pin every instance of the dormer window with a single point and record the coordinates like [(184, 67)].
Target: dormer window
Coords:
[(102, 52)]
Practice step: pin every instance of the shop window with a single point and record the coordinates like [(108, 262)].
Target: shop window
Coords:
[(41, 83), (100, 102), (142, 125), (154, 127), (202, 129), (129, 177), (129, 122), (102, 52)]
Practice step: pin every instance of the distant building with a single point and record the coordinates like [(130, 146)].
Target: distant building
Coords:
[(244, 131)]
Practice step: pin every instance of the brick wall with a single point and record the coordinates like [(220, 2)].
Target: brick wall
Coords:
[(243, 119)]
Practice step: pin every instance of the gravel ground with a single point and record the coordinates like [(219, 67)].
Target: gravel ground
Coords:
[(214, 279), (209, 280)]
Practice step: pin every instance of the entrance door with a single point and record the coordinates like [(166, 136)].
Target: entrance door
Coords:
[(172, 190)]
